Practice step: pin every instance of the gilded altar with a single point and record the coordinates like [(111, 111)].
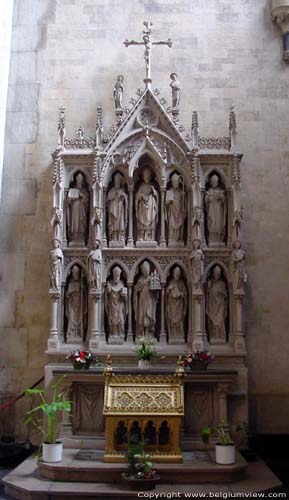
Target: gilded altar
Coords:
[(149, 407)]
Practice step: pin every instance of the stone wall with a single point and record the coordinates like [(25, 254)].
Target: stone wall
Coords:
[(226, 52)]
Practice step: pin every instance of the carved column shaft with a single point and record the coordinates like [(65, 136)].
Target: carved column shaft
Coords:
[(94, 321), (222, 390), (130, 217), (129, 331), (53, 341), (163, 235), (163, 336), (104, 236)]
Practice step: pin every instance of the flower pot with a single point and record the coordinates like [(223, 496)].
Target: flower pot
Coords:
[(144, 364), (198, 365), (77, 366), (140, 484), (87, 365), (52, 452), (225, 455)]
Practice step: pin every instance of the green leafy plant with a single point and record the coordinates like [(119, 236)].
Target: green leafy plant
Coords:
[(218, 431), (140, 464), (145, 348), (48, 411)]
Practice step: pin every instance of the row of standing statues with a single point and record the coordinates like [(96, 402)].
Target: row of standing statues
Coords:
[(146, 292), (147, 210)]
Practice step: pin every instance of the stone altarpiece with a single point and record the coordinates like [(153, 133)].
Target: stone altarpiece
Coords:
[(147, 240)]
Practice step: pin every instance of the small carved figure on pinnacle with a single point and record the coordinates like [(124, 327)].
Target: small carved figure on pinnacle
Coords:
[(118, 92), (176, 90)]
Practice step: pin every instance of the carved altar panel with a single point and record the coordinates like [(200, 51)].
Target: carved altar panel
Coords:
[(199, 407), (87, 417)]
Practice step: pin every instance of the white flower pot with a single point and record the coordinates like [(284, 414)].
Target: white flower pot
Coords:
[(52, 452), (144, 364), (225, 455)]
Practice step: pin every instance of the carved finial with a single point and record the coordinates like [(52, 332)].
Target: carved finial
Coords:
[(232, 127), (195, 128), (61, 126), (99, 127)]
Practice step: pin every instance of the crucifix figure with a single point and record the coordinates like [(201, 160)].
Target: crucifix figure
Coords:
[(147, 42)]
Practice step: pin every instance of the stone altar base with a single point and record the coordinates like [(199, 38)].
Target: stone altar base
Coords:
[(25, 482), (88, 466)]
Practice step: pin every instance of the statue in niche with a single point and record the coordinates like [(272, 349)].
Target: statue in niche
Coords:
[(175, 210), (145, 299), (56, 222), (197, 265), (116, 304), (177, 302), (94, 259), (118, 92), (217, 306), (56, 261), (146, 206), (77, 210), (216, 211), (76, 306), (176, 90), (240, 275), (117, 205)]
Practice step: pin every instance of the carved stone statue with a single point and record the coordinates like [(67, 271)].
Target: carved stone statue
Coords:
[(197, 265), (175, 210), (117, 205), (176, 90), (216, 212), (146, 205), (94, 259), (56, 222), (217, 306), (116, 304), (239, 267), (76, 306), (118, 92), (56, 261), (77, 209), (145, 298), (177, 301)]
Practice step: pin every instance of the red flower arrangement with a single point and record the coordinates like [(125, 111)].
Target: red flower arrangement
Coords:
[(198, 360), (82, 359)]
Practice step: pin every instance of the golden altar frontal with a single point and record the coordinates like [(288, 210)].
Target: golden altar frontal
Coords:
[(147, 406)]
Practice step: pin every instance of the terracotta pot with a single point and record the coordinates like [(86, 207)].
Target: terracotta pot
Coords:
[(52, 453), (225, 455)]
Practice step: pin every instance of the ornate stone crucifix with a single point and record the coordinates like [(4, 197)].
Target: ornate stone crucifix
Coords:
[(148, 43)]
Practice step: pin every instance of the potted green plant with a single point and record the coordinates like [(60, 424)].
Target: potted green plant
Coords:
[(140, 475), (246, 442), (145, 350), (44, 418), (225, 448)]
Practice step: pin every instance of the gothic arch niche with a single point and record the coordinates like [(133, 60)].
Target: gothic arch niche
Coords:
[(78, 210), (217, 299), (147, 216), (176, 206), (117, 210), (116, 305), (147, 300), (216, 210), (177, 305), (75, 318)]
